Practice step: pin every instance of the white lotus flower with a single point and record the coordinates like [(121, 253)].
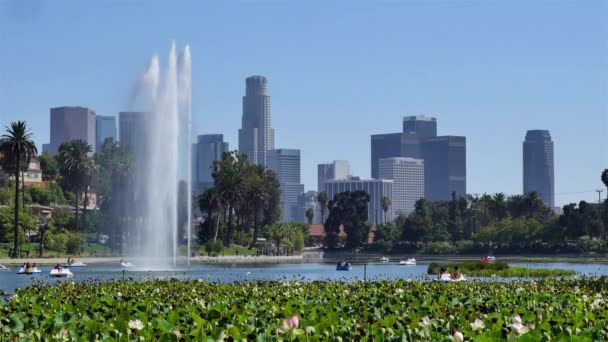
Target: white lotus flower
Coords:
[(136, 324), (457, 336), (478, 325), (425, 321), (518, 326)]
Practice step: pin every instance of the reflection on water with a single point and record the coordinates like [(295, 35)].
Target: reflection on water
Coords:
[(10, 280)]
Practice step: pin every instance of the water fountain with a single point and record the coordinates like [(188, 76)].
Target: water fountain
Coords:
[(162, 159)]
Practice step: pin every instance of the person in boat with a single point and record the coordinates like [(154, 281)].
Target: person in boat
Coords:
[(57, 267), (28, 266), (443, 274), (456, 273), (34, 265)]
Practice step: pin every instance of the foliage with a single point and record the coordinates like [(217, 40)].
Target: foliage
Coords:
[(384, 310), (439, 247), (47, 195), (348, 209), (26, 222), (49, 166), (499, 269), (74, 244)]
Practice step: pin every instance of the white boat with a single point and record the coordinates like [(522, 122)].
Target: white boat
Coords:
[(384, 259), (31, 270), (75, 264), (448, 277), (3, 268), (408, 262), (61, 273), (126, 264)]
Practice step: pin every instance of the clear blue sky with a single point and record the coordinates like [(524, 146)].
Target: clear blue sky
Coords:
[(338, 71)]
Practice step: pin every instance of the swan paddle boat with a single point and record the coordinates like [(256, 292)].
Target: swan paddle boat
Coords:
[(408, 262), (28, 271), (74, 264), (448, 277), (3, 268), (124, 263), (384, 259), (61, 273), (487, 259), (344, 266)]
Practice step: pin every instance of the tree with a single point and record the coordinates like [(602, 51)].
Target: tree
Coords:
[(500, 206), (323, 202), (228, 179), (49, 166), (17, 146), (276, 233), (74, 165), (348, 209), (386, 203), (255, 196), (209, 201), (605, 178), (533, 203), (310, 215)]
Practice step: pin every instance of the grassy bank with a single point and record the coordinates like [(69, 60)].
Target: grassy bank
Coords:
[(498, 269), (171, 310)]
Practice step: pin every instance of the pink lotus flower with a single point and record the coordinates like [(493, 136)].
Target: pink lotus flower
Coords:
[(290, 323), (457, 336)]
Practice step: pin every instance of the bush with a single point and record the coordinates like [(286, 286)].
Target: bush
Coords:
[(74, 244), (209, 247), (55, 242), (298, 244), (218, 246), (439, 248), (500, 269)]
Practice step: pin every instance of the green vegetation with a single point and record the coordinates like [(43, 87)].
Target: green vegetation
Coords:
[(348, 209), (169, 310), (498, 269)]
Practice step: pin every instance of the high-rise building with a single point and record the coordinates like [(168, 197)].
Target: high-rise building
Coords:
[(132, 131), (70, 123), (407, 175), (256, 137), (376, 188), (445, 167), (105, 127), (538, 166), (421, 126), (338, 169), (384, 146), (285, 163), (209, 148), (309, 200)]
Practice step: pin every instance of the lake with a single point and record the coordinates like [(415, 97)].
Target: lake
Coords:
[(10, 280)]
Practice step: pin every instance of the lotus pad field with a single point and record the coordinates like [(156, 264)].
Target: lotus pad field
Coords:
[(170, 310)]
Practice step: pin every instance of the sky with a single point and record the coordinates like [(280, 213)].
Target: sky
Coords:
[(338, 71)]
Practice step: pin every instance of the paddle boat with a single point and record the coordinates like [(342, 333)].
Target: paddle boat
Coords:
[(125, 263), (3, 268), (384, 259), (344, 266), (73, 263), (61, 273), (448, 277), (408, 262), (488, 259), (28, 270)]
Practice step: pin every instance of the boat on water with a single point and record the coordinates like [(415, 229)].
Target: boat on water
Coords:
[(384, 259), (3, 268), (61, 273), (448, 277), (75, 264), (408, 262), (124, 263), (344, 268), (28, 270), (488, 259)]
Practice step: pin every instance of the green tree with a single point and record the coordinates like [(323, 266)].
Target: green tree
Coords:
[(255, 196), (605, 178), (385, 202), (310, 215), (228, 180), (210, 201), (74, 165), (350, 210), (49, 166), (323, 202), (386, 235), (17, 146), (533, 204)]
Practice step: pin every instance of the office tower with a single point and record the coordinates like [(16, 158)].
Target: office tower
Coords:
[(285, 163), (384, 146), (256, 137), (209, 148), (538, 166), (421, 126), (338, 169), (376, 188), (132, 131), (70, 123), (445, 167), (407, 175), (105, 127), (309, 200), (46, 148)]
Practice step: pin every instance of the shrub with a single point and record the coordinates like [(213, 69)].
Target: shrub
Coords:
[(218, 246), (74, 244), (439, 248), (209, 247)]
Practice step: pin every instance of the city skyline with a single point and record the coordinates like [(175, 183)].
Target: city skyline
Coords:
[(489, 92)]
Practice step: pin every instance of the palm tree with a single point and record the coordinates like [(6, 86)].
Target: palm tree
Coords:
[(605, 178), (310, 215), (255, 195), (17, 146), (210, 201), (500, 206), (73, 160), (386, 203), (533, 203), (90, 171), (516, 205), (322, 198), (228, 176)]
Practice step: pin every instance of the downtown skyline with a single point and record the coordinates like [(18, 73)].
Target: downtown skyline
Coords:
[(327, 107)]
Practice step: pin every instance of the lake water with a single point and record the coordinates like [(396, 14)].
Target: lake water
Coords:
[(10, 280)]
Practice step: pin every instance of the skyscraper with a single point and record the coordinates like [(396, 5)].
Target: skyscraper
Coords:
[(209, 148), (421, 126), (338, 169), (133, 130), (384, 146), (256, 137), (407, 175), (445, 167), (538, 166), (376, 188), (105, 127), (69, 123), (285, 163)]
